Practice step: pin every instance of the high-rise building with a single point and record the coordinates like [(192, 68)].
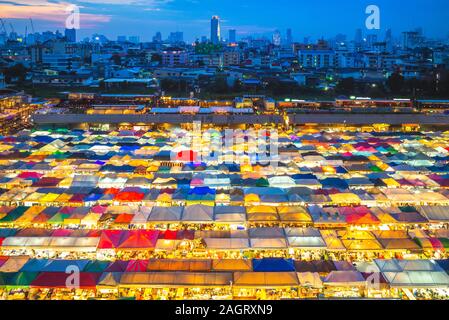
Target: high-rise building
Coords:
[(277, 38), (411, 40), (232, 36), (215, 30), (176, 37), (70, 35), (121, 39), (157, 37), (134, 39), (389, 40)]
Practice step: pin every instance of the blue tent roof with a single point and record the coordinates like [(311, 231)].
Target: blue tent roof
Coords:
[(273, 265), (62, 265), (34, 265), (444, 264), (334, 183)]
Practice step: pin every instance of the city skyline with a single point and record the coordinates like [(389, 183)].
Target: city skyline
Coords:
[(144, 18)]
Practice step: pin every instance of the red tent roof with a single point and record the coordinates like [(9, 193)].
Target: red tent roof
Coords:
[(129, 196), (140, 239), (137, 266), (124, 218), (88, 280), (111, 239)]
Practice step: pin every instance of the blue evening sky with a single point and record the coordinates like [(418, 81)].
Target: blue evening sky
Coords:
[(306, 18)]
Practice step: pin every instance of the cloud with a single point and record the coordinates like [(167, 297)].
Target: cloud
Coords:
[(44, 10)]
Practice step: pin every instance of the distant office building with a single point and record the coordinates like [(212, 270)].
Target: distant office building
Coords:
[(411, 40), (371, 39), (70, 35), (316, 57), (203, 39), (389, 40), (174, 57), (134, 39), (231, 58), (232, 36), (215, 33), (122, 39), (176, 37), (157, 37), (289, 39), (277, 38)]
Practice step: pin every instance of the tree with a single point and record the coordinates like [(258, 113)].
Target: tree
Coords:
[(395, 82), (156, 57), (346, 86), (16, 71)]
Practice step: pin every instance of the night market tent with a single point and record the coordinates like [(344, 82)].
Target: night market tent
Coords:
[(227, 243), (435, 213), (345, 199), (282, 182), (139, 240), (198, 265), (141, 217), (165, 214), (417, 279), (230, 214), (14, 264), (315, 266), (63, 265), (399, 196), (34, 265), (345, 279), (310, 280), (198, 213), (265, 279), (273, 265), (305, 238), (429, 197), (87, 280), (96, 266), (265, 244), (268, 233), (294, 214), (17, 280), (109, 280), (262, 214), (333, 241), (358, 240), (230, 265), (175, 279), (395, 240)]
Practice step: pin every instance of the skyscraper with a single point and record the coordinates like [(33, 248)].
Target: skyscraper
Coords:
[(176, 37), (277, 38), (215, 30), (157, 37), (232, 36), (70, 35)]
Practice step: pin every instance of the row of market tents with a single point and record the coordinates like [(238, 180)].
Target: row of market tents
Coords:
[(253, 239), (21, 272), (96, 216)]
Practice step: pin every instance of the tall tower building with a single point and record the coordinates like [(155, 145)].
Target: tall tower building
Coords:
[(215, 30), (277, 38), (70, 35), (232, 36)]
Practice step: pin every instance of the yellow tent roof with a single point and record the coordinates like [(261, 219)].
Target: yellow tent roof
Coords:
[(345, 198)]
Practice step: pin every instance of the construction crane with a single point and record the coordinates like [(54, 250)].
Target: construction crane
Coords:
[(3, 26)]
